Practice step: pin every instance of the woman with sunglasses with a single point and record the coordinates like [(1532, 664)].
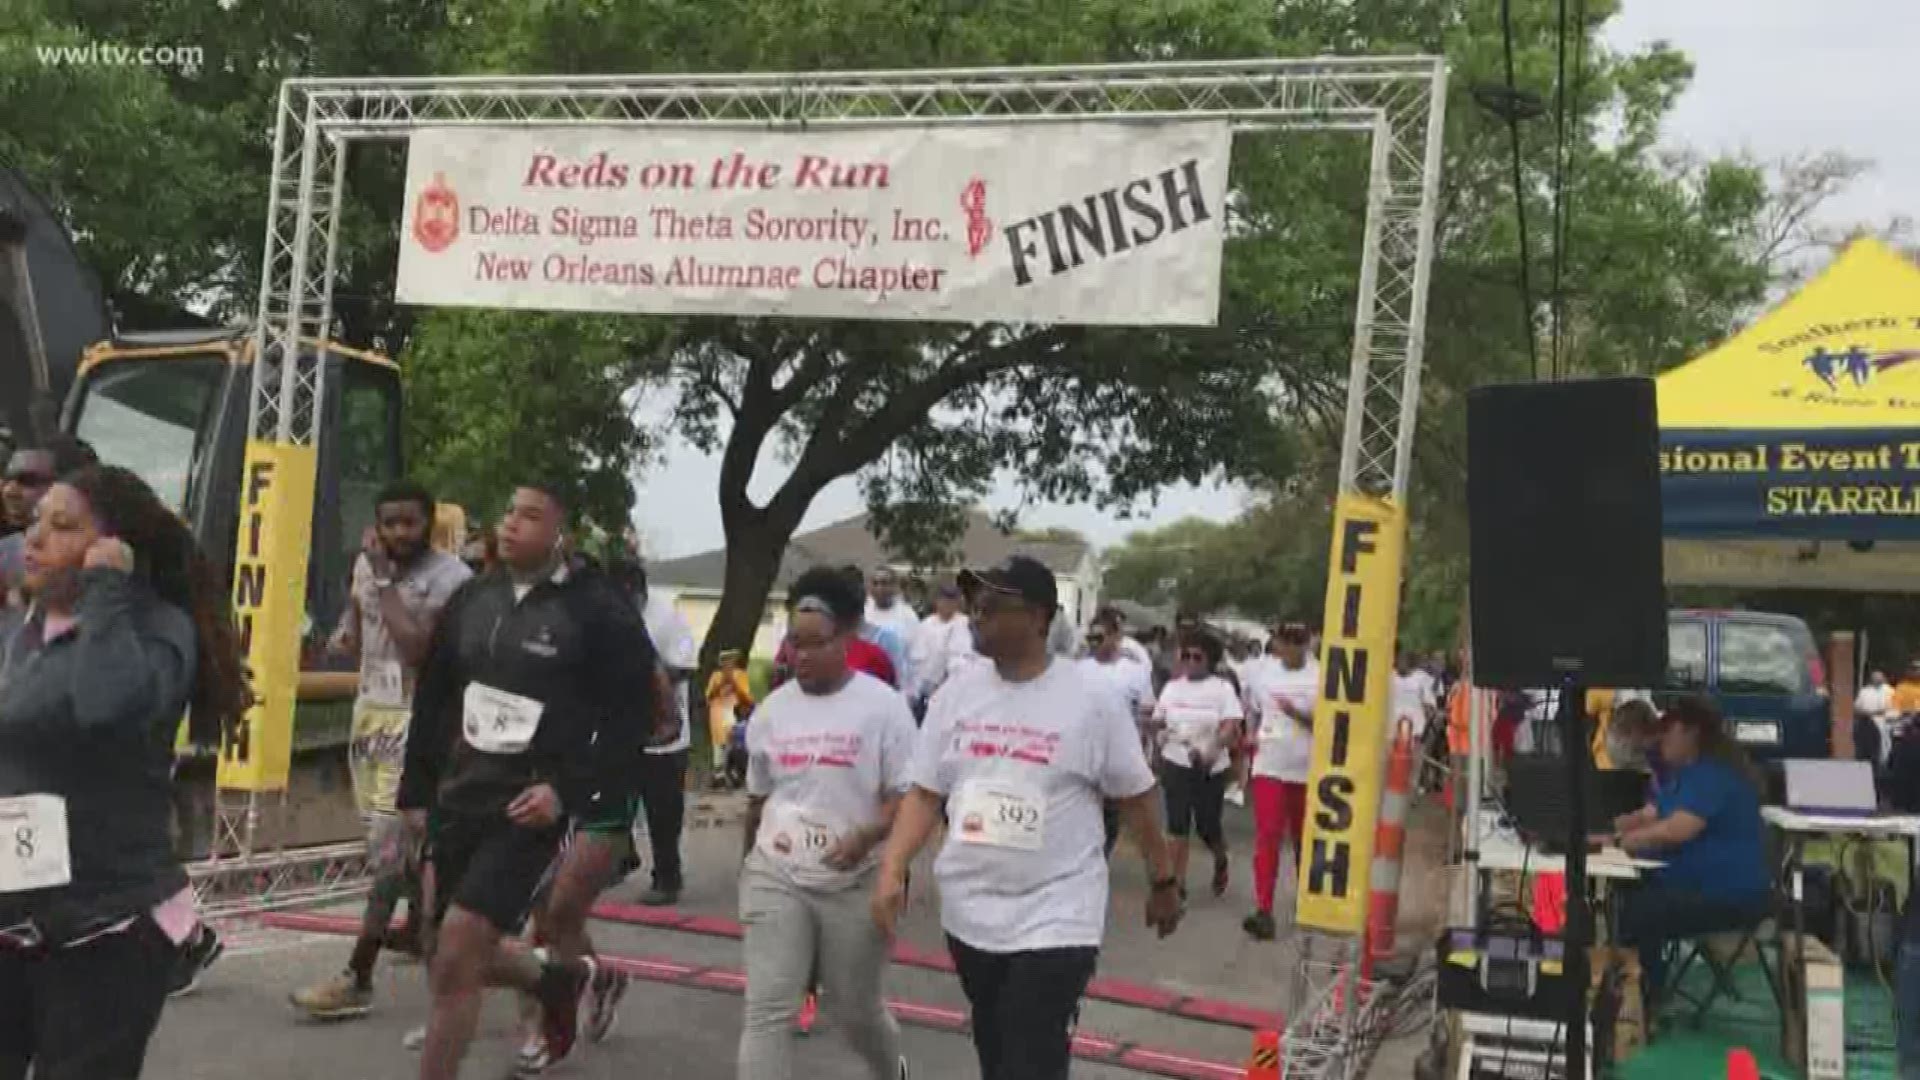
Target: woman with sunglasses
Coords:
[(1202, 714), (129, 629), (827, 758)]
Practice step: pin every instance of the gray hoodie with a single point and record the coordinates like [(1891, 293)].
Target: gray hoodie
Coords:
[(91, 717)]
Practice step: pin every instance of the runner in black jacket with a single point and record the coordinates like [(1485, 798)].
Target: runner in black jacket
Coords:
[(530, 710)]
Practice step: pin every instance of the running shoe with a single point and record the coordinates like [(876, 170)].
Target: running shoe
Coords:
[(1259, 926), (338, 998), (809, 1011), (559, 1025), (195, 956), (604, 992), (531, 1058)]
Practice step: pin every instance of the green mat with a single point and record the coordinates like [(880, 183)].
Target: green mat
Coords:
[(1682, 1051)]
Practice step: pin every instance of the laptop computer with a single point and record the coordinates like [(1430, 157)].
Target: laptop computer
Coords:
[(1840, 788)]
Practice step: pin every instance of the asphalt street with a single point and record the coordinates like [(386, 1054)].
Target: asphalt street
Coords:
[(239, 1025)]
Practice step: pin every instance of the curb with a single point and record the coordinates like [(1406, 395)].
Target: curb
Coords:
[(1114, 991), (1087, 1046)]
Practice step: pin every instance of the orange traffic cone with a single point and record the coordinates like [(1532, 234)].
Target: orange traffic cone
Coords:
[(1264, 1062), (1741, 1066)]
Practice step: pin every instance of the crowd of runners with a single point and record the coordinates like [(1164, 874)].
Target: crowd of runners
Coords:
[(520, 708)]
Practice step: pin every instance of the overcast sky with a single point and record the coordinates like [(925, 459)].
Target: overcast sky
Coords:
[(1773, 77)]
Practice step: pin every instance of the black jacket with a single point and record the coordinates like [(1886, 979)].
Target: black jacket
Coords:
[(91, 717), (572, 644)]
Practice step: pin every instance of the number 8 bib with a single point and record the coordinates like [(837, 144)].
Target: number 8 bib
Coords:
[(33, 843), (497, 722)]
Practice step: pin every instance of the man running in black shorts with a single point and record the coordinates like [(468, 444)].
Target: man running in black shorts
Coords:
[(530, 710)]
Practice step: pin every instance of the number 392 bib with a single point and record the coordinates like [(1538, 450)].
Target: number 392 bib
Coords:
[(1001, 813)]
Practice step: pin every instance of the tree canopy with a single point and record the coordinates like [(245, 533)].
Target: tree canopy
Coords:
[(162, 174)]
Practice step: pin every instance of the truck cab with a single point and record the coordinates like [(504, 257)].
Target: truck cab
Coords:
[(173, 407)]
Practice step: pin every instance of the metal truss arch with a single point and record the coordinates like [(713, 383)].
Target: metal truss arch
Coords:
[(1398, 102)]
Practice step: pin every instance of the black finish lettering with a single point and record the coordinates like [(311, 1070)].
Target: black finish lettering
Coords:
[(1346, 674), (1356, 539), (1327, 870)]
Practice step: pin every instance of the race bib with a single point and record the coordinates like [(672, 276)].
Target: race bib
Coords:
[(793, 837), (1278, 720), (383, 684), (1001, 813), (497, 722), (33, 843)]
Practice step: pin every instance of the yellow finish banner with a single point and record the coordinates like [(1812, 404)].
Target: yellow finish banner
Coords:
[(269, 606), (1349, 720)]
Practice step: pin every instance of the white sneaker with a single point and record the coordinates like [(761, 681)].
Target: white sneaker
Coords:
[(414, 1039)]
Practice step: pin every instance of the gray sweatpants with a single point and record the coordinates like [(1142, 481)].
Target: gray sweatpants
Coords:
[(792, 933)]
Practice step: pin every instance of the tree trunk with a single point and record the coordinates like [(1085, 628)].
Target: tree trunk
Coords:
[(755, 543)]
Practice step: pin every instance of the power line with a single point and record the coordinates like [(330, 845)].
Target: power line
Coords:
[(1563, 235), (1519, 192), (1557, 305)]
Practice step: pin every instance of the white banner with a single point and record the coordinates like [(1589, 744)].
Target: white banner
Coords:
[(1094, 222)]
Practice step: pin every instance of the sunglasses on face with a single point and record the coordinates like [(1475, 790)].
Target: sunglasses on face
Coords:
[(1195, 655)]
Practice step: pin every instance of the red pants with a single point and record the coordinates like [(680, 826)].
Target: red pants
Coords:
[(1279, 812)]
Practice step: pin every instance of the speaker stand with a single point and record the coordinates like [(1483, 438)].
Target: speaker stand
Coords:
[(1577, 747)]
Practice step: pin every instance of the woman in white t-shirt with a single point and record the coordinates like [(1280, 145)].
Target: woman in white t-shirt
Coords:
[(1202, 715), (1281, 693), (827, 759)]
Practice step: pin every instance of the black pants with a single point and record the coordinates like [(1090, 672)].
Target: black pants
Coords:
[(1025, 1006), (663, 794), (85, 1012), (1195, 803)]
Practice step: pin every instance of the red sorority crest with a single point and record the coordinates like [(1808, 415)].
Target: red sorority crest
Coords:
[(973, 200), (436, 216)]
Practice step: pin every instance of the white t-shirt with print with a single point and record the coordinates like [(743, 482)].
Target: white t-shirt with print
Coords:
[(1196, 712), (1132, 681), (1284, 750), (1413, 696), (825, 763), (1046, 752), (674, 644)]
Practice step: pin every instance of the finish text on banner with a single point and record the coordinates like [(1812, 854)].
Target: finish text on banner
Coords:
[(1089, 222), (269, 606), (1349, 722)]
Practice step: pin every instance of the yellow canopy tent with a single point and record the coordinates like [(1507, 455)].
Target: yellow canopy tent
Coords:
[(1790, 454)]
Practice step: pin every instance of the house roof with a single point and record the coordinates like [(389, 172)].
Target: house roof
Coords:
[(850, 541)]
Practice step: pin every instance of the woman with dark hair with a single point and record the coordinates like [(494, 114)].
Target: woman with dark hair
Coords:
[(1202, 714), (827, 757), (128, 629), (1704, 824)]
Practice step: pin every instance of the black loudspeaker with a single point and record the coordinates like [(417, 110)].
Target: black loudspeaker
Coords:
[(1563, 493)]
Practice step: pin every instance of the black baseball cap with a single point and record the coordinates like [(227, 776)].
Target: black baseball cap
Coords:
[(1029, 579)]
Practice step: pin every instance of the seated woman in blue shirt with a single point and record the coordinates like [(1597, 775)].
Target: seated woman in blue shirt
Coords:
[(1704, 824)]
